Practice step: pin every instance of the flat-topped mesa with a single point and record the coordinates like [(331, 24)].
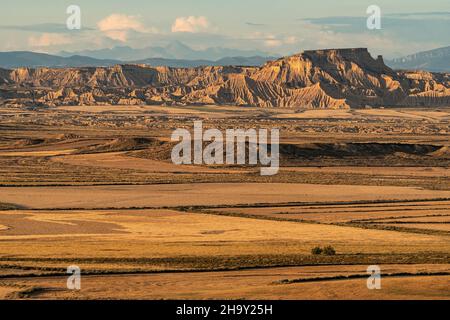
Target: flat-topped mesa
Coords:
[(353, 54), (342, 51), (360, 56)]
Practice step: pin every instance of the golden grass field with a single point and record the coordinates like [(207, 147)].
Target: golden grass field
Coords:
[(204, 194), (248, 284), (94, 187)]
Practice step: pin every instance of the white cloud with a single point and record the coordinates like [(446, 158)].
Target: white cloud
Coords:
[(319, 37), (119, 26), (271, 41), (190, 24), (290, 40), (48, 40)]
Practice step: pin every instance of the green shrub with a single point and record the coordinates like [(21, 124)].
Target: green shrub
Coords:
[(329, 251)]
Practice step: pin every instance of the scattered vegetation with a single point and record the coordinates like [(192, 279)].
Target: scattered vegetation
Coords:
[(361, 276), (128, 147), (327, 251)]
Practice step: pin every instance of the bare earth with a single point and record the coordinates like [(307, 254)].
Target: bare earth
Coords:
[(203, 194), (94, 186), (249, 284)]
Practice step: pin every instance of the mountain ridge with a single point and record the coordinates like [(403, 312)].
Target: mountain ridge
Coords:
[(436, 60), (330, 78), (18, 59), (173, 50)]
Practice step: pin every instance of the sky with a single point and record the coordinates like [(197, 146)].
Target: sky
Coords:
[(278, 27)]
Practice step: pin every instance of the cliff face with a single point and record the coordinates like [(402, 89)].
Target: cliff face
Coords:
[(336, 78)]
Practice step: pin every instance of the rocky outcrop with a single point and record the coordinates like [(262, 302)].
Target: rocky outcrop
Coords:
[(334, 79)]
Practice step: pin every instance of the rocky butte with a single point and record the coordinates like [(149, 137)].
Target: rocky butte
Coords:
[(331, 79)]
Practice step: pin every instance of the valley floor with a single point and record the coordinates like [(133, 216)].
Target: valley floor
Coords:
[(94, 187)]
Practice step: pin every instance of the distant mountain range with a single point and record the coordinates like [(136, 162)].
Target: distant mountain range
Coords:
[(175, 54), (174, 50), (178, 55), (437, 60), (17, 59)]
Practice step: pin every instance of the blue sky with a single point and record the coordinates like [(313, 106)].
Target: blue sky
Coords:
[(278, 27)]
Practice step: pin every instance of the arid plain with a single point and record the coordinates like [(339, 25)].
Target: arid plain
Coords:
[(94, 186)]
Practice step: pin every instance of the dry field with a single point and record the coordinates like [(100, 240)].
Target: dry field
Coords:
[(204, 194), (349, 282), (432, 217), (95, 187)]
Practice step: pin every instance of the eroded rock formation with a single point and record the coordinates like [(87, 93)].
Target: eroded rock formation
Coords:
[(334, 79)]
